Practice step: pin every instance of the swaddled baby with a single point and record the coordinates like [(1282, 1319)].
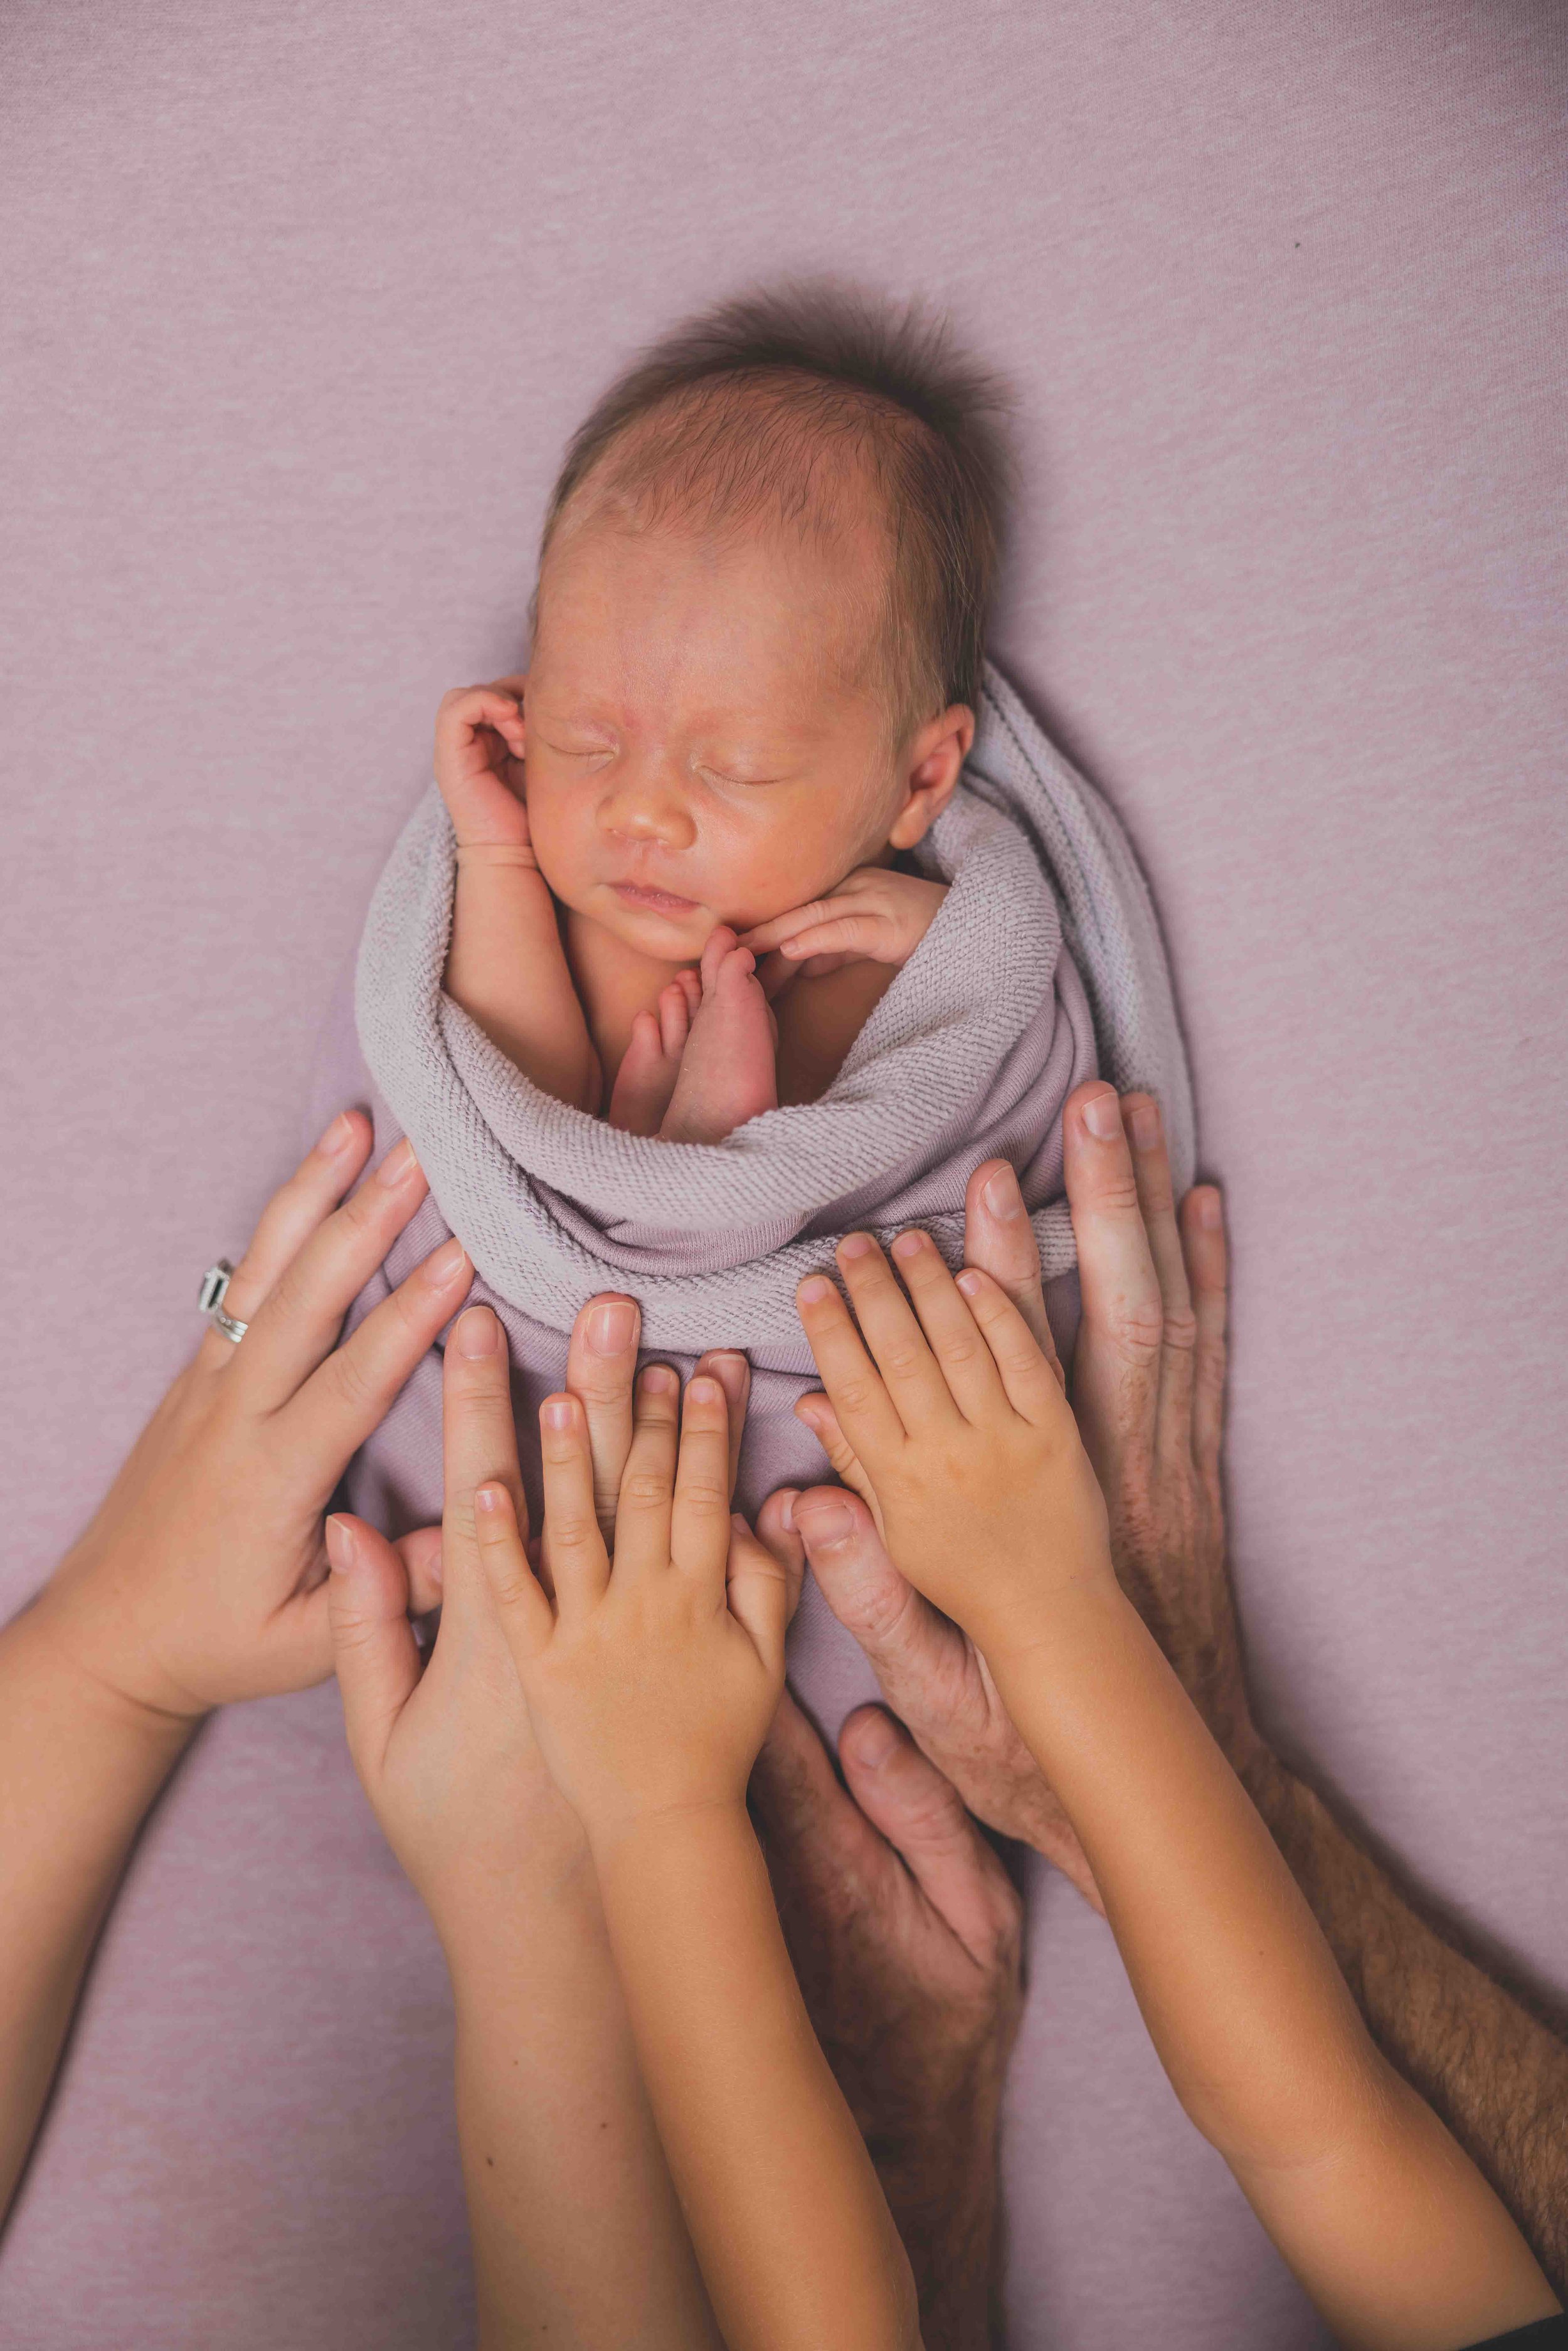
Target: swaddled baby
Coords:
[(759, 909), (755, 664)]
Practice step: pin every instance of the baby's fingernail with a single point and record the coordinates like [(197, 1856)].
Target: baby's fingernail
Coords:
[(874, 1740), (398, 1165), (558, 1412), (1145, 1120), (814, 1290), (1102, 1114), (824, 1523), (338, 1137), (477, 1332), (341, 1548), (1002, 1195), (444, 1266), (612, 1327)]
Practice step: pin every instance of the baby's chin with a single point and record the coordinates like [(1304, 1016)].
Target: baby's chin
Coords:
[(655, 922)]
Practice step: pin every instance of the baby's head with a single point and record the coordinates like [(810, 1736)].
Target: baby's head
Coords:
[(760, 616)]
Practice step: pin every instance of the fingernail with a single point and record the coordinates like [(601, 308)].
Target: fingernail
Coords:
[(1208, 1211), (814, 1290), (338, 1137), (856, 1245), (908, 1245), (787, 1511), (341, 1548), (487, 1499), (1145, 1125), (971, 1282), (875, 1740), (398, 1165), (1102, 1114), (1001, 1195), (443, 1265), (611, 1328), (477, 1332), (705, 1390), (558, 1412), (824, 1523), (658, 1379)]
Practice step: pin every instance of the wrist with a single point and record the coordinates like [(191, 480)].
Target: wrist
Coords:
[(517, 854), (64, 1636)]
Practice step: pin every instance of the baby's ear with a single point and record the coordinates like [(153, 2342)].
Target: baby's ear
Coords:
[(932, 763)]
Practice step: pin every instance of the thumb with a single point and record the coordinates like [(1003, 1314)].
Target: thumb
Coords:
[(527, 1618), (373, 1647), (922, 1815), (758, 1589)]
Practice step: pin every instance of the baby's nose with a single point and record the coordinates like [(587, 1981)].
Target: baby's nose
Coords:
[(648, 808)]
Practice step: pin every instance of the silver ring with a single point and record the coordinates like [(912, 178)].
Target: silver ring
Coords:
[(210, 1299)]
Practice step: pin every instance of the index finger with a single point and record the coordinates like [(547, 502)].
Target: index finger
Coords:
[(699, 1521), (1117, 1360), (295, 1210), (999, 1238), (601, 1365)]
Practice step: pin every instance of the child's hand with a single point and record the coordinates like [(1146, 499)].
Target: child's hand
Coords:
[(966, 1442), (651, 1680), (479, 764), (873, 916)]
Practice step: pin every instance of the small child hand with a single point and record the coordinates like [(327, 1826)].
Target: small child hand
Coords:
[(873, 916), (966, 1442), (651, 1679), (479, 764)]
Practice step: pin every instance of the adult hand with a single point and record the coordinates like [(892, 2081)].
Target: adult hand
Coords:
[(906, 1933), (202, 1578)]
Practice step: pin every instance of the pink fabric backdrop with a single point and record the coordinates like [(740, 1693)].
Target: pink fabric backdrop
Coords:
[(301, 305)]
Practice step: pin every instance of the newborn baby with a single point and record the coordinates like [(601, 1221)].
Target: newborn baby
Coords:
[(753, 684)]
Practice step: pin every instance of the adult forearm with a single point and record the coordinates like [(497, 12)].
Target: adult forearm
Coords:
[(576, 2233), (1496, 2073), (79, 1767), (791, 2226)]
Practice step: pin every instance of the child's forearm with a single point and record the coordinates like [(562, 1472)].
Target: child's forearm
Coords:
[(1250, 2016), (507, 969), (578, 2236), (79, 1768), (791, 2226)]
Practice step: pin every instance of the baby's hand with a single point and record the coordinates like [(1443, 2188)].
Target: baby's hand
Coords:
[(959, 1424), (873, 916), (479, 765), (651, 1680)]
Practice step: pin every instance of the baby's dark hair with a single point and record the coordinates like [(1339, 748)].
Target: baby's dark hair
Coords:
[(781, 401)]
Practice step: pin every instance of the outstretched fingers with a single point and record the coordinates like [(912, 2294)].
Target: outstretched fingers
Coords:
[(526, 1617), (373, 1647), (295, 1210), (1027, 1379), (601, 1367), (967, 1363), (700, 1516), (572, 1542), (1203, 1243), (861, 1407), (893, 1332)]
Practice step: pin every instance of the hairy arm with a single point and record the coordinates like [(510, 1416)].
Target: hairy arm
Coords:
[(1496, 2072)]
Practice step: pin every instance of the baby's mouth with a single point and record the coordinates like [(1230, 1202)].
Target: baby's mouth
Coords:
[(653, 902)]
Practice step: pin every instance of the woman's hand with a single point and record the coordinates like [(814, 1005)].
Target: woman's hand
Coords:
[(202, 1578), (960, 1426), (651, 1680)]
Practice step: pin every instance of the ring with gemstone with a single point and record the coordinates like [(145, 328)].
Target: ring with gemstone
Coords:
[(210, 1299)]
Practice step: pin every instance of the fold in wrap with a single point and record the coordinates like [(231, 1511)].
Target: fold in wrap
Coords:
[(1043, 965)]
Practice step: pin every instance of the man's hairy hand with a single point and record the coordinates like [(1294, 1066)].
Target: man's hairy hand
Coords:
[(906, 1934)]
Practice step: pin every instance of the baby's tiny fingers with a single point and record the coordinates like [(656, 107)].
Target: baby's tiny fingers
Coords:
[(871, 937)]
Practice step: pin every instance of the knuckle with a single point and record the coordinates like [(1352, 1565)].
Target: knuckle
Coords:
[(643, 1490), (1179, 1329)]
